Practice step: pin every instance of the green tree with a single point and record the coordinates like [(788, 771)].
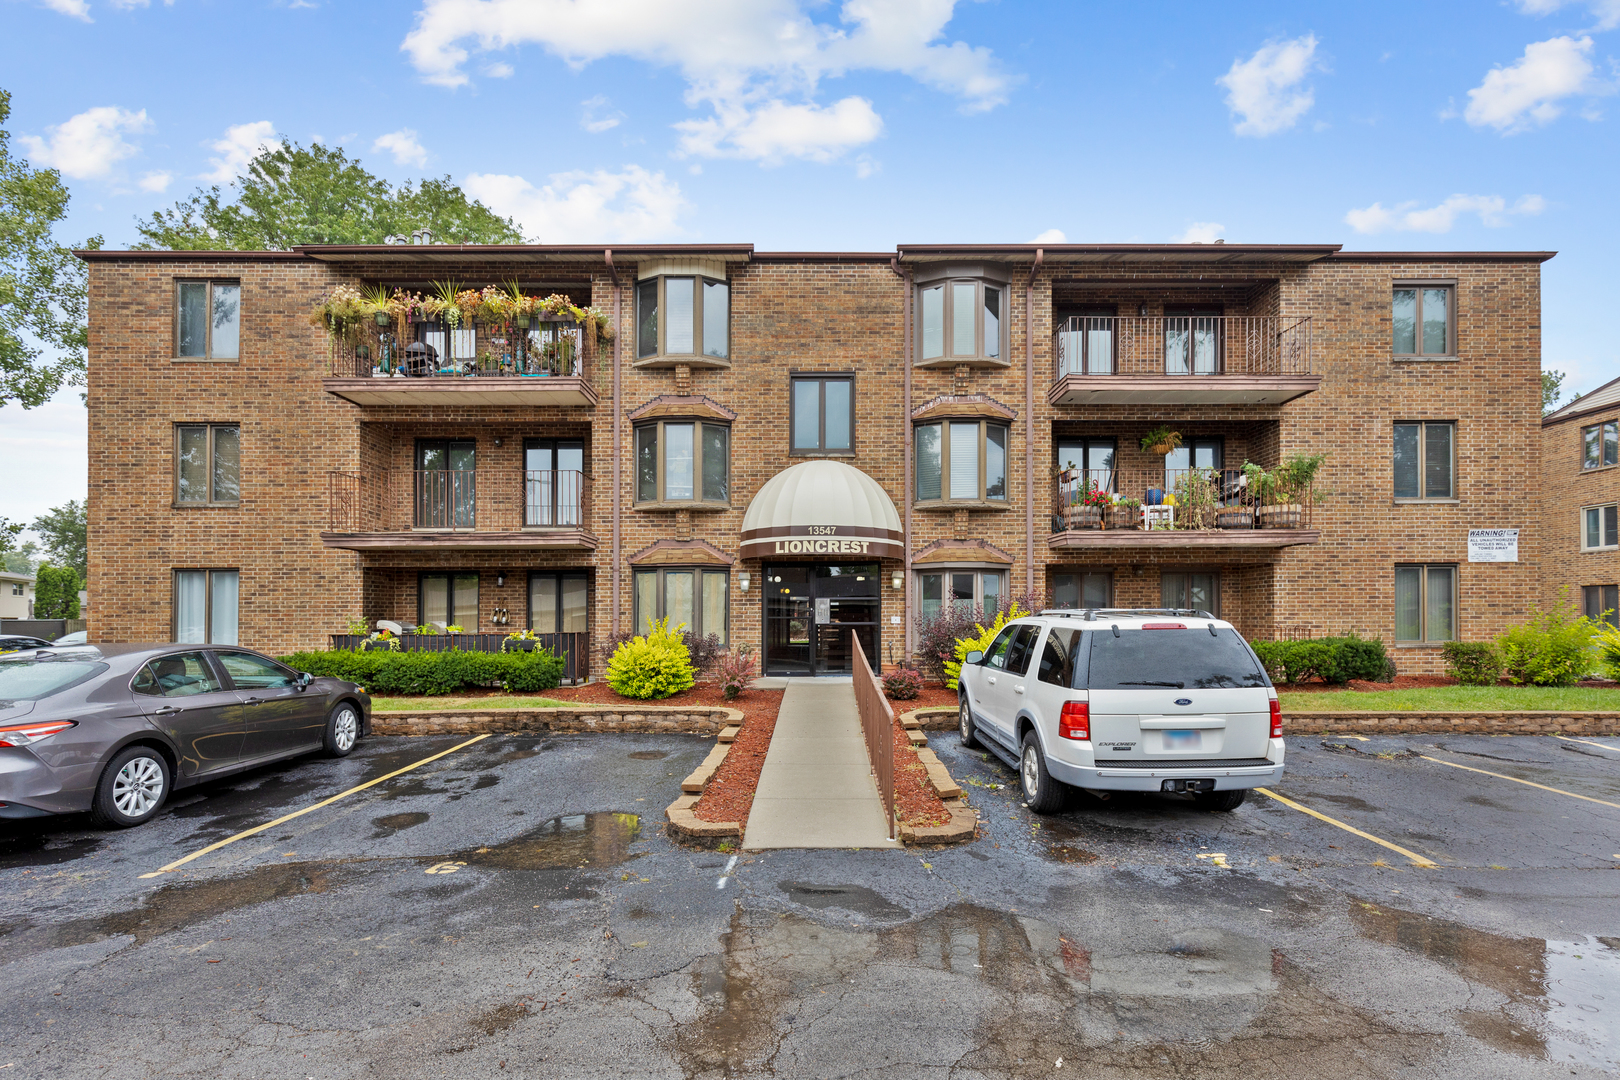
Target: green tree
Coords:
[(9, 531), (21, 560), (42, 284), (292, 196), (1552, 383), (63, 530), (56, 592)]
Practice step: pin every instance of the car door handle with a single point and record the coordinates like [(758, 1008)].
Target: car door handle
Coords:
[(167, 710), (1018, 689), (991, 679), (253, 701)]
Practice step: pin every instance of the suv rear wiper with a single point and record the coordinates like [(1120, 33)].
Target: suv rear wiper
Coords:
[(1177, 685)]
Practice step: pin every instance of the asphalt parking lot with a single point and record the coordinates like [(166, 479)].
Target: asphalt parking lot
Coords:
[(514, 907)]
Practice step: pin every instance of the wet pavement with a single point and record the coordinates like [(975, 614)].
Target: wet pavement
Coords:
[(516, 908)]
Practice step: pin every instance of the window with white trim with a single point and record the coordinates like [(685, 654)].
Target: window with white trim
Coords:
[(1599, 527)]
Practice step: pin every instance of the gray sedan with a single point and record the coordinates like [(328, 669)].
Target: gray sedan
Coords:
[(113, 729)]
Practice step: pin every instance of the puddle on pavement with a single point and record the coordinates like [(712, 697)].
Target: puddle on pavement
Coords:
[(856, 898), (576, 840), (34, 846), (389, 824), (648, 755), (1061, 838), (1562, 996)]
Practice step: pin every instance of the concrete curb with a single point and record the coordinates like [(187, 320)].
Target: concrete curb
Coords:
[(929, 718), (640, 719), (683, 822), (1355, 722), (964, 826)]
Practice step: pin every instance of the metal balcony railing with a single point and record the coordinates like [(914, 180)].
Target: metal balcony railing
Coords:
[(469, 500), (475, 350), (1183, 345), (1185, 499)]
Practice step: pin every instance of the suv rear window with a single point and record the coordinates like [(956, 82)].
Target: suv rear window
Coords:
[(1190, 658)]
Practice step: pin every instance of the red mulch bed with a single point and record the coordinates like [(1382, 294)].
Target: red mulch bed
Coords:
[(752, 702), (730, 794), (1402, 682), (915, 800), (933, 695)]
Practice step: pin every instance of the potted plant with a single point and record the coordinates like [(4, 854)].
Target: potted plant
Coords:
[(1093, 502), (445, 305), (520, 641), (1126, 514), (1067, 474), (1195, 498), (380, 302), (1291, 488), (1161, 440)]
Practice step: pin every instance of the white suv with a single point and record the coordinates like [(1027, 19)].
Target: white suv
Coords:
[(1124, 700)]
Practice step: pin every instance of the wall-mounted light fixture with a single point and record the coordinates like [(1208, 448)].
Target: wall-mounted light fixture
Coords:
[(898, 580), (497, 440), (742, 580), (500, 578), (1141, 309)]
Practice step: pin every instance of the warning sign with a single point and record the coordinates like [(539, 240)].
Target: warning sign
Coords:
[(1493, 545)]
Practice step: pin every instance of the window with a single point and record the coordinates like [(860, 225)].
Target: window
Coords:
[(16, 588), (1201, 592), (177, 675), (448, 600), (1199, 453), (249, 672), (446, 484), (961, 460), (683, 461), (553, 481), (205, 606), (696, 317), (1193, 341), (823, 414), (1425, 460), (693, 597), (1082, 590), (969, 588), (1086, 342), (557, 603), (1094, 458), (1601, 445), (207, 464), (207, 318), (961, 320), (1425, 603), (1057, 657), (1598, 527), (1600, 603), (1422, 320)]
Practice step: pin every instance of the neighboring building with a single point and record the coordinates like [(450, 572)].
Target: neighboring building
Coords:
[(1580, 462), (779, 447), (16, 595)]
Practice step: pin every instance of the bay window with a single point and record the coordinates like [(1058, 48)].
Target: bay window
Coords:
[(961, 460), (693, 597), (968, 588), (683, 317), (961, 321), (683, 461)]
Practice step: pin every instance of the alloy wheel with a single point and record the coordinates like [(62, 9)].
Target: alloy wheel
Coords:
[(345, 728), (1031, 774), (964, 720), (138, 788)]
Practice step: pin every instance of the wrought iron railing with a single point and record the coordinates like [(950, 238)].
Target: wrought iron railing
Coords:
[(573, 648), (877, 724), (480, 349), (1179, 499), (482, 500), (1183, 345)]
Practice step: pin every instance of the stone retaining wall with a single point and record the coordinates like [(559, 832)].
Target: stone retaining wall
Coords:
[(1451, 723), (692, 720)]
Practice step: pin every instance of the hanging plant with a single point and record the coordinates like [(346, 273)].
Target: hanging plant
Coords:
[(341, 313), (1161, 440), (444, 301)]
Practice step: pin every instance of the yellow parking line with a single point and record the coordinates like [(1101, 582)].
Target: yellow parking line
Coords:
[(1516, 780), (1417, 860), (1589, 742), (300, 813)]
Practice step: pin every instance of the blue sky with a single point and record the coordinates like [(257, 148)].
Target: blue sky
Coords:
[(794, 124)]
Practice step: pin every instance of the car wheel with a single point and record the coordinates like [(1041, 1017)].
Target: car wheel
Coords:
[(132, 788), (342, 729), (1219, 800), (1042, 794), (964, 723)]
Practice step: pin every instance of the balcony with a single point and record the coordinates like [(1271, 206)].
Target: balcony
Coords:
[(1187, 360), (548, 362), (1197, 508), (465, 509)]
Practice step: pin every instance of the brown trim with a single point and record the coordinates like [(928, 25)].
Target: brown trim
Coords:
[(666, 406), (949, 552), (102, 255), (966, 407), (680, 553), (805, 531), (1442, 256), (823, 256), (1066, 252), (528, 391), (1156, 538), (820, 450)]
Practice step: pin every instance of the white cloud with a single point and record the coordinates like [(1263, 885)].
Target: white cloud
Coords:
[(1265, 89), (866, 166), (241, 144), (404, 145), (629, 206), (499, 69), (776, 130), (1493, 211), (1201, 232), (1051, 236), (77, 9), (156, 182), (1527, 92), (1606, 12), (737, 56), (598, 114), (88, 144)]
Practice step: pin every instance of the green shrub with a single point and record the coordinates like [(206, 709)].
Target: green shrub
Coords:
[(902, 683), (435, 673), (1553, 649), (654, 666), (979, 641), (1331, 659), (1473, 663), (1608, 646)]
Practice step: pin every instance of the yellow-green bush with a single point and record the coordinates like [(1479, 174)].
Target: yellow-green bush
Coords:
[(979, 642), (654, 666)]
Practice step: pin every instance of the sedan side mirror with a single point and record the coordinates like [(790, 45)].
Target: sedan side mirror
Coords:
[(304, 679), (973, 657)]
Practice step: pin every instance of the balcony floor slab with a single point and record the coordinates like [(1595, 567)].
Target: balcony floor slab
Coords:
[(532, 390), (1180, 389), (528, 540), (1181, 539)]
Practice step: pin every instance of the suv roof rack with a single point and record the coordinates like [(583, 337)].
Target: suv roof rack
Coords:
[(1091, 614)]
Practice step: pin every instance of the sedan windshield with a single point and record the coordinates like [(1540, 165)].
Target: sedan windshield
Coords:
[(1190, 658), (30, 679)]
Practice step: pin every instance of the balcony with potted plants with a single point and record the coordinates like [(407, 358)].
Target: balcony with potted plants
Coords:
[(451, 345), (1179, 493)]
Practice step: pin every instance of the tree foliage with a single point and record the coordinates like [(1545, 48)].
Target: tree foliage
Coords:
[(1552, 383), (42, 285), (56, 592), (292, 196), (62, 529)]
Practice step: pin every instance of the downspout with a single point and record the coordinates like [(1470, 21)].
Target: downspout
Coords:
[(1029, 422), (905, 494), (618, 443)]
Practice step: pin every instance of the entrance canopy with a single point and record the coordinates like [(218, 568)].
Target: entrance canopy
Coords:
[(822, 508)]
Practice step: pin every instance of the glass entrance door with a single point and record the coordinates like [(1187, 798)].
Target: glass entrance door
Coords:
[(811, 609)]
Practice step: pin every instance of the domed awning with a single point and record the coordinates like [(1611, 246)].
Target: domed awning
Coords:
[(823, 508)]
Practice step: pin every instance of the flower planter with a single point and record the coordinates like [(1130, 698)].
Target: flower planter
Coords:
[(1085, 517), (1161, 448), (1122, 517), (522, 644), (1234, 517), (1281, 516)]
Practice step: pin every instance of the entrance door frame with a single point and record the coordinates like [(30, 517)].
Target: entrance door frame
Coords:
[(764, 617)]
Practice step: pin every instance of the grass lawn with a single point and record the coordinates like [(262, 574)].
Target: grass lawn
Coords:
[(404, 704), (1456, 699)]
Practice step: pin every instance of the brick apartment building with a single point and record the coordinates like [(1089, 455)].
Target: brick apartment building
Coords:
[(779, 447), (1580, 463)]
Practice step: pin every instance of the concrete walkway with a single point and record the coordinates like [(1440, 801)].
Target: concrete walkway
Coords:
[(816, 789)]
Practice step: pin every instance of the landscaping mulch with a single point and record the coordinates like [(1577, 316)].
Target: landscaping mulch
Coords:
[(1402, 682), (933, 695), (730, 794), (916, 803), (752, 703)]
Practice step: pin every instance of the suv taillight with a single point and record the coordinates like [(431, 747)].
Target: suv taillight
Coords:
[(1164, 626), (23, 734), (1075, 721), (1276, 719)]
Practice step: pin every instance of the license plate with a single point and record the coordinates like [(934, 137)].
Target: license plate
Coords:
[(1183, 740)]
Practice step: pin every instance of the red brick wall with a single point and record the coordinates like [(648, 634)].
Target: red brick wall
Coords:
[(1567, 488)]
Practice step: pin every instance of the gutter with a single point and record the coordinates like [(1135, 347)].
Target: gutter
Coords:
[(905, 495), (1029, 421), (618, 448)]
